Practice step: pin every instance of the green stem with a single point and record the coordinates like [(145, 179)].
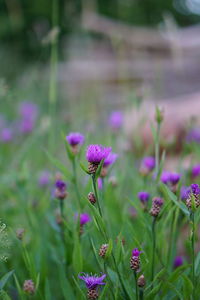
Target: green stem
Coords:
[(153, 250), (96, 194), (193, 254), (76, 183), (157, 149), (141, 294), (61, 204), (136, 286)]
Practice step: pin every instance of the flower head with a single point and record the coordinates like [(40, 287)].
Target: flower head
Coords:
[(110, 159), (184, 192), (96, 153), (158, 201), (116, 120), (28, 110), (149, 163), (193, 135), (75, 138), (178, 261), (174, 178), (196, 171), (26, 125), (92, 281), (195, 189), (84, 218), (143, 196), (165, 177), (60, 185), (6, 135), (44, 178), (136, 252)]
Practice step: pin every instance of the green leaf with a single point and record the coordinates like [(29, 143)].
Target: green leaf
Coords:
[(82, 295), (59, 165), (103, 293), (97, 218), (166, 191), (84, 168), (5, 278), (187, 287), (47, 290), (197, 264)]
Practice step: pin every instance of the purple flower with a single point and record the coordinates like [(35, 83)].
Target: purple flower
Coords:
[(195, 189), (116, 120), (96, 153), (100, 183), (158, 201), (193, 135), (184, 192), (178, 261), (110, 159), (28, 110), (143, 196), (148, 162), (75, 138), (136, 252), (26, 125), (6, 135), (174, 178), (92, 281), (84, 218), (44, 178), (60, 185), (196, 171), (165, 177)]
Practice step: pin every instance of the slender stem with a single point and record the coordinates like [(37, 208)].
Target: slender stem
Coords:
[(170, 240), (153, 249), (141, 294), (193, 255), (61, 203), (96, 194), (76, 182), (136, 286), (157, 149)]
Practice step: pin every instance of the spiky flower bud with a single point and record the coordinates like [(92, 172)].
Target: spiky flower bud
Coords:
[(156, 206), (102, 250), (141, 281), (20, 233), (92, 198), (29, 287), (135, 260), (92, 294), (193, 195)]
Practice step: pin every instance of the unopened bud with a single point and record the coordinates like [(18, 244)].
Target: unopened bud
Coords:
[(141, 281), (20, 233), (29, 287), (102, 250), (92, 198)]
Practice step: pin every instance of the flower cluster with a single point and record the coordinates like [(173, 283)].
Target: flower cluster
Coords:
[(147, 165), (116, 120), (74, 139), (135, 260), (193, 195), (60, 189), (94, 155)]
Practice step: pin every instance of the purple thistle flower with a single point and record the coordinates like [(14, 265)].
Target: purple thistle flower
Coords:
[(60, 185), (196, 171), (100, 183), (84, 218), (136, 252), (174, 178), (26, 125), (165, 177), (195, 189), (184, 192), (158, 201), (110, 159), (6, 135), (116, 120), (149, 163), (92, 281), (178, 261), (143, 196), (44, 178), (193, 135), (75, 138), (28, 110), (96, 153)]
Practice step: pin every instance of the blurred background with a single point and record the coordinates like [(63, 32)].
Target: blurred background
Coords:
[(94, 56)]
